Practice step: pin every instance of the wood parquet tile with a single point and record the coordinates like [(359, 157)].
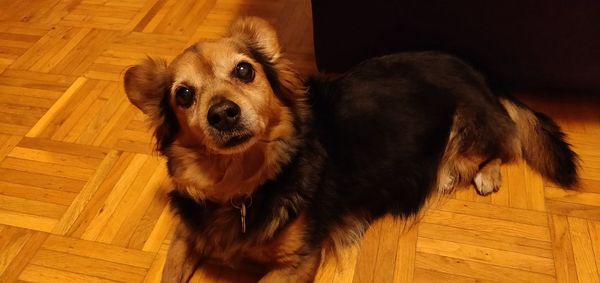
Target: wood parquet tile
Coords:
[(83, 195)]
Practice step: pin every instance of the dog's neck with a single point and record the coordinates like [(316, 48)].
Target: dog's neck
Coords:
[(220, 178)]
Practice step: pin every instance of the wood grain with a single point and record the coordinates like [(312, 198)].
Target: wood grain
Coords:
[(83, 195)]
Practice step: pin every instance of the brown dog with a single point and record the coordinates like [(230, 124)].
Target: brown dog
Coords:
[(268, 170)]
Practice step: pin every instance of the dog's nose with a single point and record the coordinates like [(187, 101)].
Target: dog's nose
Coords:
[(223, 115)]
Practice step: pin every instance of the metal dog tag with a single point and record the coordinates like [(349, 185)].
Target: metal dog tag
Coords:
[(243, 215), (242, 207)]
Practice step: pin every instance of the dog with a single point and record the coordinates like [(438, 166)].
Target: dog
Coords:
[(270, 169)]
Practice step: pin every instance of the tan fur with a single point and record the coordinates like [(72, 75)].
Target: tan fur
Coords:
[(526, 123), (203, 169), (283, 249)]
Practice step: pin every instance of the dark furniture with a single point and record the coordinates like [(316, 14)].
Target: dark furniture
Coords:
[(521, 44)]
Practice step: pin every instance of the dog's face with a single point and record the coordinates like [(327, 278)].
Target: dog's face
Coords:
[(223, 96)]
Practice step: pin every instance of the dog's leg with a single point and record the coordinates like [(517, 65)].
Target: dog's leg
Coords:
[(181, 261), (303, 270), (488, 179)]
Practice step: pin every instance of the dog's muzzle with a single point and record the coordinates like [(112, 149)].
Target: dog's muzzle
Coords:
[(225, 117)]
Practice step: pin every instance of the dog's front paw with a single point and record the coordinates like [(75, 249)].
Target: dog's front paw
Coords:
[(487, 182)]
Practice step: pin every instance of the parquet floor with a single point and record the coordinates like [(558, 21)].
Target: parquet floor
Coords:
[(82, 196)]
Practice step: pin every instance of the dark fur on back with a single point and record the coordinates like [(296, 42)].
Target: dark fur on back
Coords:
[(382, 144)]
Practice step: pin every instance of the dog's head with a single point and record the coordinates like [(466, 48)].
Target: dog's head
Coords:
[(221, 96)]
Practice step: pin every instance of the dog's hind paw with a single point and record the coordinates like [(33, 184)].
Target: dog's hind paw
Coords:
[(449, 184)]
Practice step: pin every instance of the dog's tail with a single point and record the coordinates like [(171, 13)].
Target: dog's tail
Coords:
[(543, 144)]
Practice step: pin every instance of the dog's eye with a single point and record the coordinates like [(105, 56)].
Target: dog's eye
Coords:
[(244, 72), (184, 97)]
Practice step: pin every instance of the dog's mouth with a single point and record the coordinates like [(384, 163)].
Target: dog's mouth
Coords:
[(230, 141), (235, 140)]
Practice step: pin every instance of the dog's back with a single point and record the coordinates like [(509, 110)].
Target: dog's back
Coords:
[(399, 126), (385, 132)]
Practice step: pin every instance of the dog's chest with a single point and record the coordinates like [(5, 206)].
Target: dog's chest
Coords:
[(273, 234), (223, 239)]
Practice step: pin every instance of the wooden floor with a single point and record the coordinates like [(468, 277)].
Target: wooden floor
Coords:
[(82, 196)]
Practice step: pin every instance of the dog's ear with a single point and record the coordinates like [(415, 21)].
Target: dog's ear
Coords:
[(258, 35), (261, 40), (146, 84)]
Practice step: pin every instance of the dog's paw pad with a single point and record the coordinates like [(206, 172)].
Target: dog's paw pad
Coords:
[(487, 183)]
